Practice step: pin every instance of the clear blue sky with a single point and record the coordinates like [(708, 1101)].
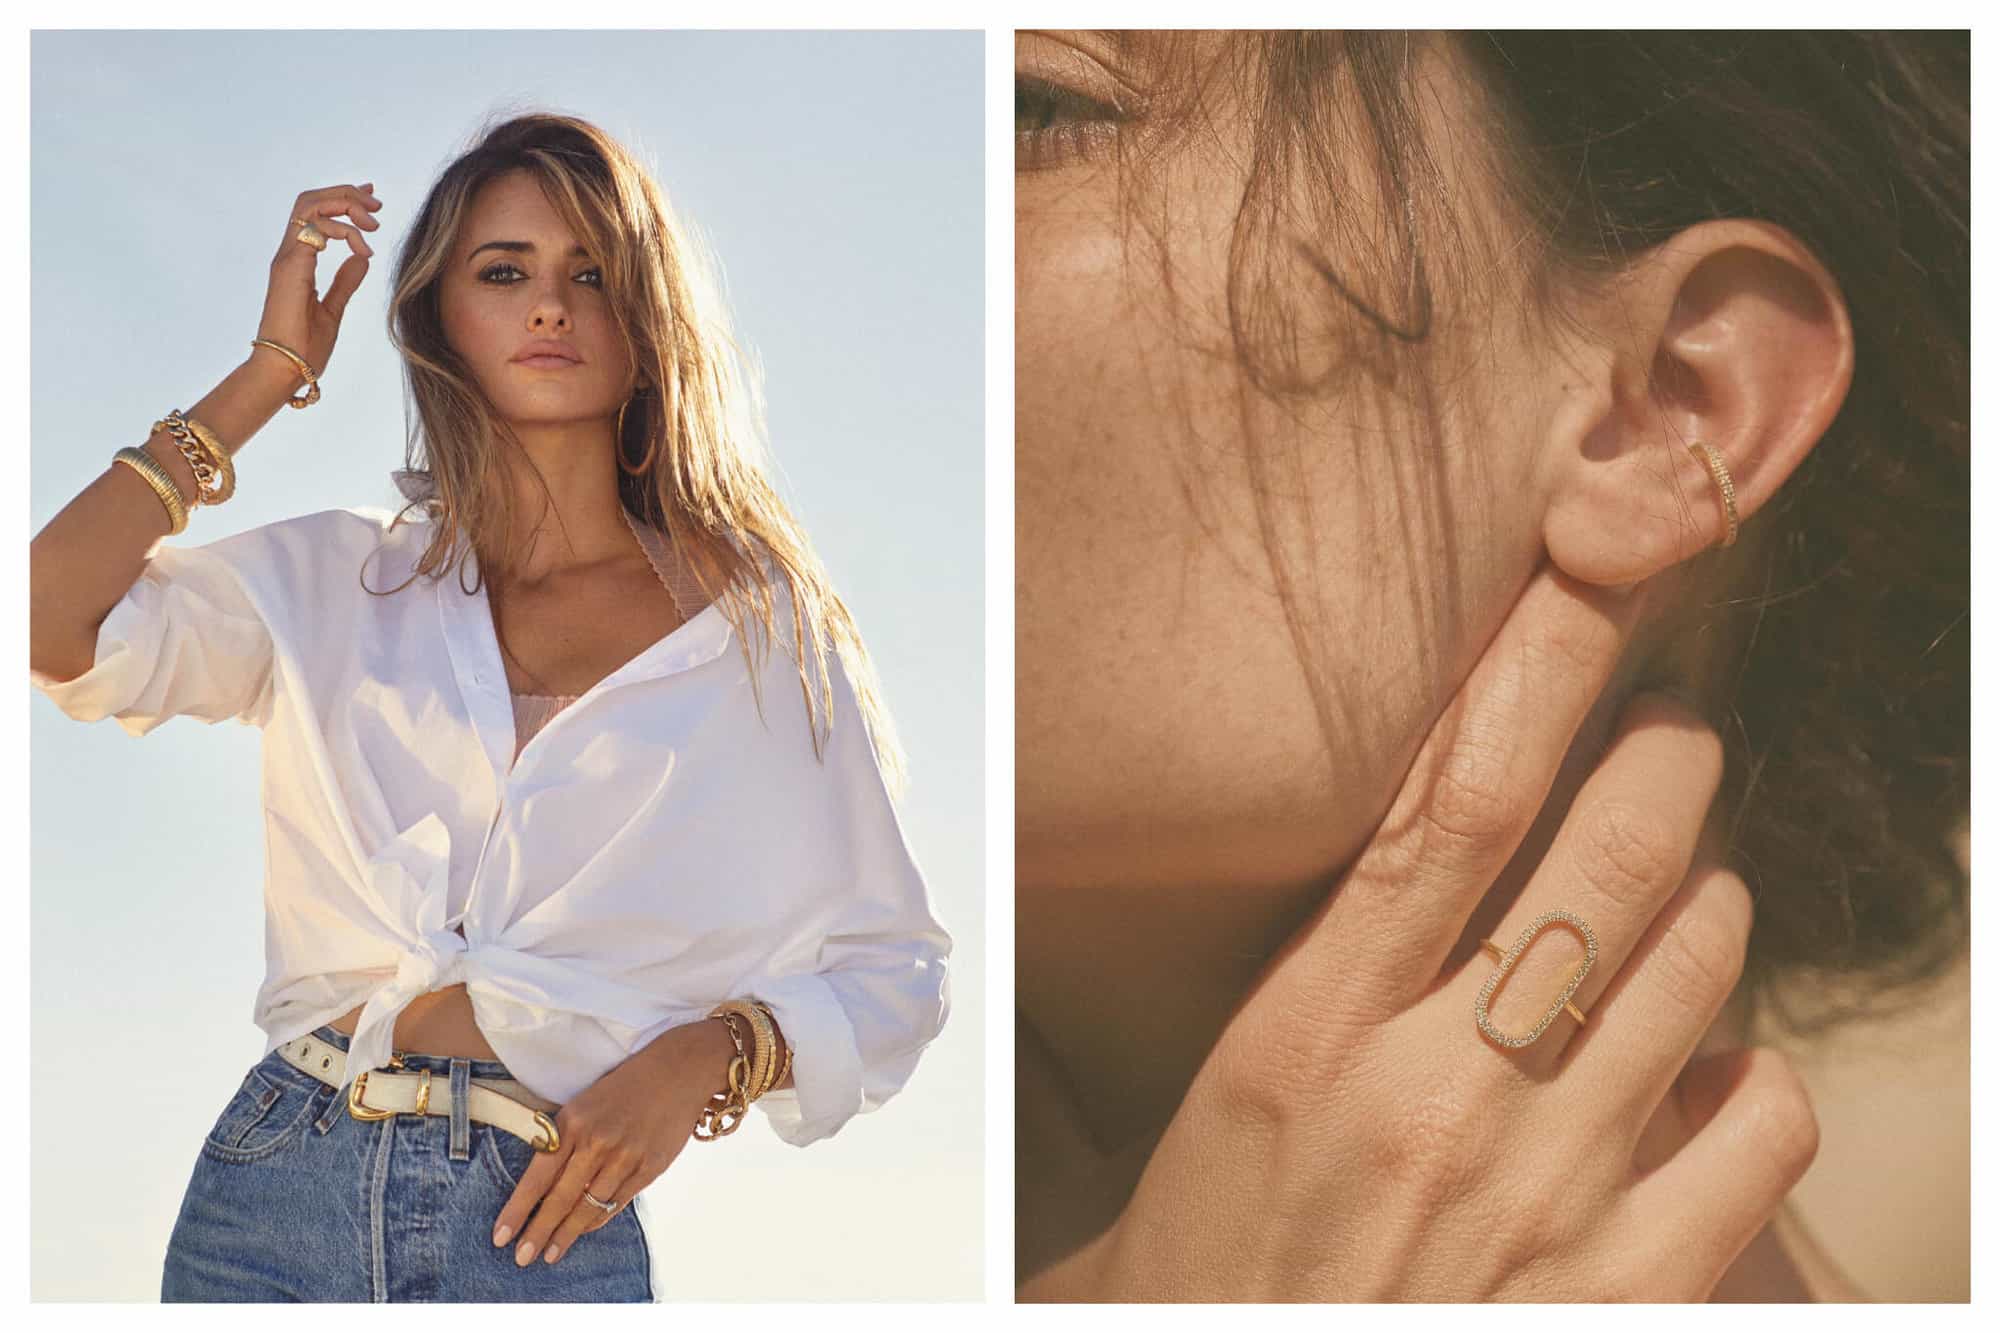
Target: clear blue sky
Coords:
[(838, 176)]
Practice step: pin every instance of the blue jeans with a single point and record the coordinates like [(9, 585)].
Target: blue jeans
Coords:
[(293, 1199)]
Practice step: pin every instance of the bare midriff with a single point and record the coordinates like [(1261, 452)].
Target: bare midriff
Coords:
[(439, 1022)]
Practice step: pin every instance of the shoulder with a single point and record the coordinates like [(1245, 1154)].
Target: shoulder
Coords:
[(309, 553), (356, 527)]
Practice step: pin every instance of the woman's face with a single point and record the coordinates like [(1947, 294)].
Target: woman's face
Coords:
[(1235, 620), (495, 299)]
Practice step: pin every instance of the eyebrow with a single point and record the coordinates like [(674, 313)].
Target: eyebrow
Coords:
[(520, 248)]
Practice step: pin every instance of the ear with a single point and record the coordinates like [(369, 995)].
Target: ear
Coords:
[(1731, 334)]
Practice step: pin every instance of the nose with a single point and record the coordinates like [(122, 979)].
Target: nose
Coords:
[(549, 310)]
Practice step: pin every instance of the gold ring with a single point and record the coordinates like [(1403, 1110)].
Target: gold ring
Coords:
[(1480, 1011), (1719, 473), (311, 235)]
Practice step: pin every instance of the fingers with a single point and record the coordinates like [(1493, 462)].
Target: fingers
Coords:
[(528, 1192), (1623, 850), (1473, 792), (319, 207), (1760, 1135), (346, 279), (561, 1213), (610, 1186), (1657, 1009)]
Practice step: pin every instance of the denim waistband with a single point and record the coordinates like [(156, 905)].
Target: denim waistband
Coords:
[(440, 1064)]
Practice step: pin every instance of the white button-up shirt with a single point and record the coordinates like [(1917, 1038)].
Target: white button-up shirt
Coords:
[(656, 848)]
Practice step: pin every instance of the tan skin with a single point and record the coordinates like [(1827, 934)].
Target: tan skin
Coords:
[(1247, 928), (585, 603)]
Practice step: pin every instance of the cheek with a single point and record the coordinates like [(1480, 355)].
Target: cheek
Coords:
[(472, 332), (1165, 729)]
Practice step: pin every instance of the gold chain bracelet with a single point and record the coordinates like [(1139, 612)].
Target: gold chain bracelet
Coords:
[(214, 474), (726, 1111)]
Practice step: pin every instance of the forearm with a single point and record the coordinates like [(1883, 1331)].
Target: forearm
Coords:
[(89, 554)]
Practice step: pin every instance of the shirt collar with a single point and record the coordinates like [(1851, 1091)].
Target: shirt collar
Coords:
[(474, 647)]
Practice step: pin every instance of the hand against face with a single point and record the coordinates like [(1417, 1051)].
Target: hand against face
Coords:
[(1355, 1136)]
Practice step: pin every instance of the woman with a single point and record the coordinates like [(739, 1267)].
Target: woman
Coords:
[(557, 877), (1490, 506)]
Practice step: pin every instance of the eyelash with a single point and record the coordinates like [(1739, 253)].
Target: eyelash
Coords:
[(1054, 125), (487, 274)]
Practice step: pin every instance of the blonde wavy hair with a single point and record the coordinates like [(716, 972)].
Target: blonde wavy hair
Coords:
[(691, 451)]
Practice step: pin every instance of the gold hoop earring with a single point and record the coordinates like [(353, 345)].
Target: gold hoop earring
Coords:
[(618, 444)]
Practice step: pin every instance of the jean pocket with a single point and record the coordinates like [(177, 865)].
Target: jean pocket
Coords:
[(509, 1156), (265, 1115)]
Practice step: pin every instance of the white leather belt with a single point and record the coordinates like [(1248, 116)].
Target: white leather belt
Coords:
[(377, 1094)]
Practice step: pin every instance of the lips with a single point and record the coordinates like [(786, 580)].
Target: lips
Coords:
[(546, 352)]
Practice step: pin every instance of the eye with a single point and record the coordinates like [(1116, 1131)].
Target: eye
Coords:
[(492, 271), (1054, 125)]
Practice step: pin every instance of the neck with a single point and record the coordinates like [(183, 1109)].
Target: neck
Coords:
[(578, 523)]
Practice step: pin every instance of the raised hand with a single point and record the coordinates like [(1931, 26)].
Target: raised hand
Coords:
[(294, 312)]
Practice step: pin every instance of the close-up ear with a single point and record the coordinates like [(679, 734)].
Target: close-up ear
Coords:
[(1731, 335)]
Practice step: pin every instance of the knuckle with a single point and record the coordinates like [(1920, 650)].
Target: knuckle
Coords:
[(1271, 1074), (1702, 957), (1471, 806), (1780, 1114), (1568, 645), (1257, 1090), (1626, 852), (1434, 1146)]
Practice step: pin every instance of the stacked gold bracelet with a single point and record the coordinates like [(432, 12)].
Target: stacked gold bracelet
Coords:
[(214, 470), (214, 473), (756, 1068)]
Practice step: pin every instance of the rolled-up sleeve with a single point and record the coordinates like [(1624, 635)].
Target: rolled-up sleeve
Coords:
[(874, 991), (185, 639), (856, 1029)]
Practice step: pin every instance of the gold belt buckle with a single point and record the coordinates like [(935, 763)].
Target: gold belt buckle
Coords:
[(358, 1089)]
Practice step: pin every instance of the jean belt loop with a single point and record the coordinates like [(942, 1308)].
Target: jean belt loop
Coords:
[(461, 1109)]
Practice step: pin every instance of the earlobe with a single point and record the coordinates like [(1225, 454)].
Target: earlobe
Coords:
[(1731, 335)]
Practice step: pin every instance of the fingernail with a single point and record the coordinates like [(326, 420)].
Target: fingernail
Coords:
[(501, 1233), (524, 1255), (551, 1255)]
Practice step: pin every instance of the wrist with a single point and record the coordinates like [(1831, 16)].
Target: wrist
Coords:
[(274, 372), (695, 1053)]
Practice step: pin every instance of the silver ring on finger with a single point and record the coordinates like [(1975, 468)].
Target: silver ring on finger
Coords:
[(596, 1202), (310, 235)]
